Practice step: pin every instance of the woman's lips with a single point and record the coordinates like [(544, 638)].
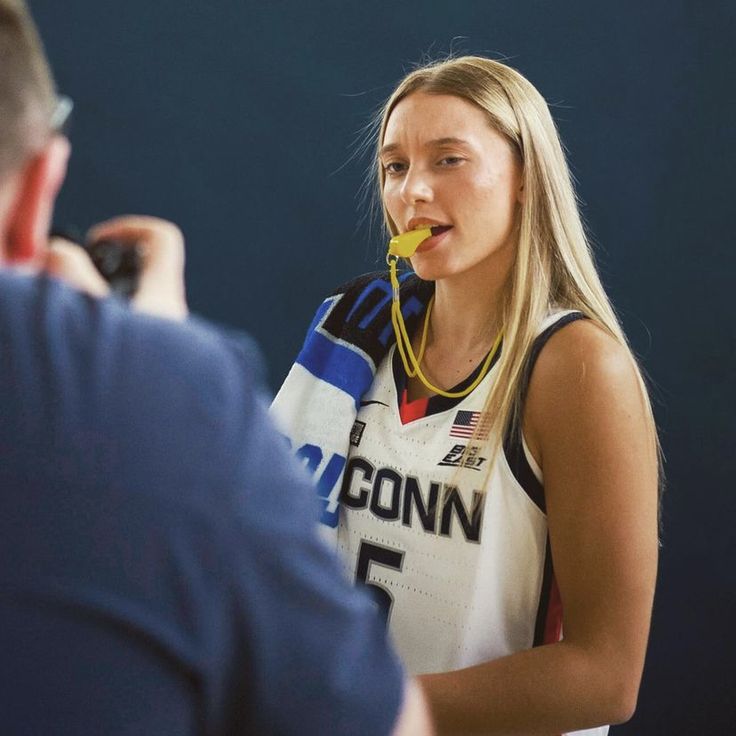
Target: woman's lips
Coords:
[(438, 229), (438, 235)]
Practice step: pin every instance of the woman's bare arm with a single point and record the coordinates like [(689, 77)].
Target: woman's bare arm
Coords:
[(586, 423)]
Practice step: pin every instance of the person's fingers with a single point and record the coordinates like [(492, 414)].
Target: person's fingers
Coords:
[(161, 234), (161, 285), (67, 261)]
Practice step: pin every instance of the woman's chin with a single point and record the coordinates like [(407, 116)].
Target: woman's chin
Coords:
[(427, 270)]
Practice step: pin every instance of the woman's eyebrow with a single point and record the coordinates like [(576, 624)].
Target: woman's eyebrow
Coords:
[(450, 141), (434, 143), (388, 148)]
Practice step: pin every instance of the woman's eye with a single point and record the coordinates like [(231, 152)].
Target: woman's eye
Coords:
[(450, 161), (394, 167)]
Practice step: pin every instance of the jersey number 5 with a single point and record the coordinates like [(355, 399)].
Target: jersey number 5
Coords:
[(374, 554)]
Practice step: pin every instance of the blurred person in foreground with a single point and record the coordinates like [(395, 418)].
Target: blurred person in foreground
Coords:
[(158, 572)]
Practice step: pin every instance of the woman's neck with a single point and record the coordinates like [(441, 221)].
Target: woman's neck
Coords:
[(467, 310), (463, 326)]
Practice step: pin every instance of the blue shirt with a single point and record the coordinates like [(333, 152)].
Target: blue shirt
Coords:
[(159, 570)]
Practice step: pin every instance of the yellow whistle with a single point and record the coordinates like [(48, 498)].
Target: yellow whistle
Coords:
[(406, 244)]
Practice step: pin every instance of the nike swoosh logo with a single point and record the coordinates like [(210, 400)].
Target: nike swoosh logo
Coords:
[(368, 403)]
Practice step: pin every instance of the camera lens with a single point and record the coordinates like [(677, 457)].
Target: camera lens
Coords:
[(119, 263)]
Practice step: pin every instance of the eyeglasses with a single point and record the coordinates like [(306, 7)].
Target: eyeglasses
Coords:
[(61, 116)]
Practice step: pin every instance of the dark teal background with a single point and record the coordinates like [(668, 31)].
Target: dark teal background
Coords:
[(237, 120)]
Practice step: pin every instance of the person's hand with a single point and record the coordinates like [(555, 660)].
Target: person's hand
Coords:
[(65, 260), (161, 285)]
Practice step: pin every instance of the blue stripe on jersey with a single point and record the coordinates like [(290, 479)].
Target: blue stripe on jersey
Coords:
[(333, 362), (340, 362)]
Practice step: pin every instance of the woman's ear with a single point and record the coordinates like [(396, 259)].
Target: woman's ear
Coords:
[(29, 217)]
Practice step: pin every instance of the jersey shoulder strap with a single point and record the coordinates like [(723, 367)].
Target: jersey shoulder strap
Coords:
[(517, 455)]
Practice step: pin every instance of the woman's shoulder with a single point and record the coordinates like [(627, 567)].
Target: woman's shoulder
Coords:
[(583, 369), (359, 311), (358, 284), (584, 378), (379, 280), (372, 293), (581, 349)]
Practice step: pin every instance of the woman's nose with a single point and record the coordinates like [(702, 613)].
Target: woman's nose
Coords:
[(417, 186)]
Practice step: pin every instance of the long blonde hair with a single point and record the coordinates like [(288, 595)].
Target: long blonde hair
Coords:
[(554, 264)]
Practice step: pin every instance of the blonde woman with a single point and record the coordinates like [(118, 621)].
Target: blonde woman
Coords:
[(491, 476)]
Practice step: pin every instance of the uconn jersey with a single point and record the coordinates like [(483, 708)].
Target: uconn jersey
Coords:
[(458, 560)]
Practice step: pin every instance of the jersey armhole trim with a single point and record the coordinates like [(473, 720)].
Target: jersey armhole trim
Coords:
[(520, 460), (533, 466)]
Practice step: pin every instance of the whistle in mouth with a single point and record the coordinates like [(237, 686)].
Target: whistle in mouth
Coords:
[(406, 244)]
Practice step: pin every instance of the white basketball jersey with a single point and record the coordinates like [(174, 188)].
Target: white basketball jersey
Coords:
[(462, 572)]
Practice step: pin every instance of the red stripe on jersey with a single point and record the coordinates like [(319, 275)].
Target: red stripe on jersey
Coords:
[(411, 410), (553, 622)]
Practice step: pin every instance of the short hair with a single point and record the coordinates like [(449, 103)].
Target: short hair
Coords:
[(27, 91)]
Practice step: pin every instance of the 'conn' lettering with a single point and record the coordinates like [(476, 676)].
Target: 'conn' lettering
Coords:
[(391, 496)]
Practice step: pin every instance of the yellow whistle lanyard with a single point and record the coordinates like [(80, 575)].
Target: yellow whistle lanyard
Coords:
[(412, 363)]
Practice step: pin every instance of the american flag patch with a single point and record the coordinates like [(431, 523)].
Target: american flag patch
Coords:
[(466, 422)]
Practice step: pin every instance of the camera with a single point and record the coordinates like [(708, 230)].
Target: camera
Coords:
[(118, 262)]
